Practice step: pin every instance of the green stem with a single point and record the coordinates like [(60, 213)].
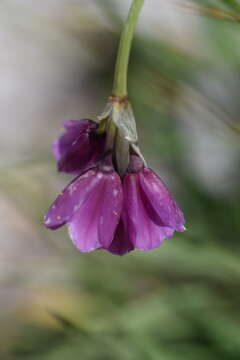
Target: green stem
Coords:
[(121, 68)]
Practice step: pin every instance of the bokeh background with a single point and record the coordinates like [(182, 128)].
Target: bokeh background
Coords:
[(178, 302)]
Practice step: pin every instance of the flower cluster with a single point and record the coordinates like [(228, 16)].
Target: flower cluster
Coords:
[(115, 202)]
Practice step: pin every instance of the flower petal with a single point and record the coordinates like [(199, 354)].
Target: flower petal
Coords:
[(78, 149), (160, 200), (143, 232), (94, 224), (121, 243), (79, 125), (69, 201), (73, 128)]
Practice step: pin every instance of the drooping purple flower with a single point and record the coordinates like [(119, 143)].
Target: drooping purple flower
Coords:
[(80, 147), (116, 207), (91, 206), (150, 214)]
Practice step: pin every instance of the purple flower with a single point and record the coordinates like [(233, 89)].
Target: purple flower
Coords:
[(149, 215), (106, 206), (91, 206), (103, 212), (80, 147)]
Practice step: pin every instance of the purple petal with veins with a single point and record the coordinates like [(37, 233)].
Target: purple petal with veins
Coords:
[(150, 213), (121, 243), (159, 200), (80, 147), (94, 224), (144, 232), (91, 205), (68, 202)]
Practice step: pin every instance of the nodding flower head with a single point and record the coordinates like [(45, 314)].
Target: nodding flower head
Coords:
[(115, 203), (80, 147)]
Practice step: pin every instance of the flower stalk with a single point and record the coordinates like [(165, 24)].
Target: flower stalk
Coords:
[(121, 68)]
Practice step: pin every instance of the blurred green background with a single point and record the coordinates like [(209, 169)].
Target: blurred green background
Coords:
[(178, 302)]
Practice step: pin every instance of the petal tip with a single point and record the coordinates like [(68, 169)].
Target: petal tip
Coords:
[(81, 245), (48, 224)]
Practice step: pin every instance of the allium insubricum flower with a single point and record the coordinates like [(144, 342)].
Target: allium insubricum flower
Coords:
[(116, 202)]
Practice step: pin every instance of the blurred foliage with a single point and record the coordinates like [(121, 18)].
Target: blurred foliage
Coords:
[(179, 302)]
